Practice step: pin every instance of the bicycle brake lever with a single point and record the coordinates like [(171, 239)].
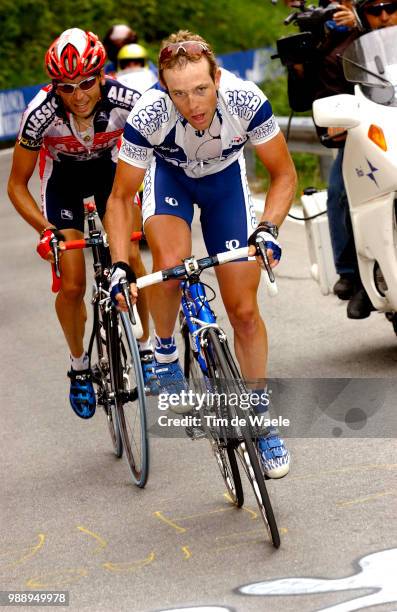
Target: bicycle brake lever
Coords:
[(269, 277), (54, 249), (56, 273), (125, 290), (260, 246)]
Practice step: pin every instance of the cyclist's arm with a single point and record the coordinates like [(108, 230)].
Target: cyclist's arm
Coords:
[(275, 156), (23, 165), (118, 218)]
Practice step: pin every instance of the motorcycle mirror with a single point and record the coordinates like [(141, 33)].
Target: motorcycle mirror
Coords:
[(378, 93), (337, 111)]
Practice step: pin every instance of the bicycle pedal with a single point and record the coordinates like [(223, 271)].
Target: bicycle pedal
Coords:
[(96, 374)]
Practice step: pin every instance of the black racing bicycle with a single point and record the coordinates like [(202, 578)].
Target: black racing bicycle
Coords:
[(114, 356), (211, 369)]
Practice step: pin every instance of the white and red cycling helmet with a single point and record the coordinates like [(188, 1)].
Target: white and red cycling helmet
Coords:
[(75, 53)]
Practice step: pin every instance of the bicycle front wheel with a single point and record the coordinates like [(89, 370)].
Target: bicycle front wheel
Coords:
[(130, 398), (224, 454), (101, 377), (223, 369), (228, 467), (191, 367)]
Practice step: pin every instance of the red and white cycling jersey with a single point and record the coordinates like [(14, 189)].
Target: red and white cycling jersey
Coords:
[(46, 126)]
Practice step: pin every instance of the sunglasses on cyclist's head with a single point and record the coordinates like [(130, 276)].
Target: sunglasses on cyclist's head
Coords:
[(189, 47), (377, 9), (84, 85)]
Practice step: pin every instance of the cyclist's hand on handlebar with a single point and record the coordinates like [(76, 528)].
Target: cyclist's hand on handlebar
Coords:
[(46, 244), (273, 248), (121, 270)]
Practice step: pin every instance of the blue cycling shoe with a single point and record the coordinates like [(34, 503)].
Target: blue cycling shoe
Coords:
[(152, 385), (275, 457), (170, 376), (82, 394)]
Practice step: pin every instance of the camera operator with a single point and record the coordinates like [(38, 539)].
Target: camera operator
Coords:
[(321, 77), (365, 15), (331, 81)]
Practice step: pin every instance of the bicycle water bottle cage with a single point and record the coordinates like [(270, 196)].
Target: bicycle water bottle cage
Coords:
[(191, 265)]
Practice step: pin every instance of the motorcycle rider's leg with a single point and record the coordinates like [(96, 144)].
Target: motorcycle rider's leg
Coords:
[(341, 232), (349, 286), (359, 306)]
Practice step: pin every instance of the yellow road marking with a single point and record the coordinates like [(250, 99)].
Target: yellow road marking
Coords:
[(362, 500), (191, 516), (28, 555), (249, 510), (186, 551), (129, 566), (161, 516), (101, 541), (180, 529), (236, 534), (55, 580)]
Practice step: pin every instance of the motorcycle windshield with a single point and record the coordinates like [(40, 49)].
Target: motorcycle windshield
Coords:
[(371, 61)]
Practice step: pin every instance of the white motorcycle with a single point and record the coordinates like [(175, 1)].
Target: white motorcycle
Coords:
[(370, 162)]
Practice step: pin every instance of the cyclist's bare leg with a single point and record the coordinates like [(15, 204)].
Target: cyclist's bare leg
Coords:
[(69, 303), (239, 283), (169, 239), (136, 263)]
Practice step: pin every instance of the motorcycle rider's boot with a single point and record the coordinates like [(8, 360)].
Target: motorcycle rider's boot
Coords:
[(359, 306), (345, 287)]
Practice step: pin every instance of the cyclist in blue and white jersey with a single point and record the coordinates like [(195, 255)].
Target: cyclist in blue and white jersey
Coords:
[(188, 135), (74, 126)]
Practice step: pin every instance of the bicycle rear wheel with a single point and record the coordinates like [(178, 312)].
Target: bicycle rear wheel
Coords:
[(127, 377), (101, 378), (223, 368)]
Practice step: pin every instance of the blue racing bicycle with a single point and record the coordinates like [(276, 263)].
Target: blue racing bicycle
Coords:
[(210, 368)]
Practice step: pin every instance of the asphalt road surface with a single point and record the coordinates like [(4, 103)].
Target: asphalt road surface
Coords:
[(71, 520)]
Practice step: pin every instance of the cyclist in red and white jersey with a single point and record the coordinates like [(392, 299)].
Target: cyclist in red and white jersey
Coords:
[(73, 125)]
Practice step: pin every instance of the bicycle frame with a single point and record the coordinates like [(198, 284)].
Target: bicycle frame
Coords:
[(198, 315), (209, 348), (117, 373), (101, 265)]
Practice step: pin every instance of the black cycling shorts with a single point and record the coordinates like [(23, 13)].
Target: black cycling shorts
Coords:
[(64, 190)]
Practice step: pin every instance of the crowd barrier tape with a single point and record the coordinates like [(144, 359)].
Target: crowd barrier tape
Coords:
[(253, 65)]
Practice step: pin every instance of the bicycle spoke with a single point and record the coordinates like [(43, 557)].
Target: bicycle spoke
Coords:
[(101, 377)]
